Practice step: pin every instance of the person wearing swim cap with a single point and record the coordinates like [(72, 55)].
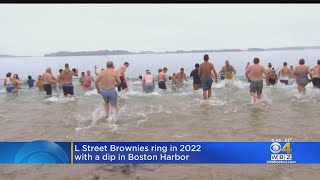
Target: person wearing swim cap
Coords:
[(205, 72), (66, 79), (273, 77), (254, 75), (105, 83)]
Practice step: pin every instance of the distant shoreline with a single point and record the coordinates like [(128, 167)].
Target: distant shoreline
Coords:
[(124, 52)]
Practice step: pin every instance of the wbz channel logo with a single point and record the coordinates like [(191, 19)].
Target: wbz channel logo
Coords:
[(276, 148)]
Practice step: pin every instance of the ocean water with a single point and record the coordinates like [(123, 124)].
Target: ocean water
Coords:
[(161, 116)]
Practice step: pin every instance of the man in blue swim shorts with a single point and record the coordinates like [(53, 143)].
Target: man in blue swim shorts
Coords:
[(205, 72), (108, 80)]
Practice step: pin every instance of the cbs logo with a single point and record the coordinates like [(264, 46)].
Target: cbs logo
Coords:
[(41, 152), (276, 148)]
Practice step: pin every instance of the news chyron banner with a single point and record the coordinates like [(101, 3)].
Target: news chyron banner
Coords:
[(46, 152)]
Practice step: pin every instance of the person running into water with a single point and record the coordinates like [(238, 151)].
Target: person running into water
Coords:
[(174, 82), (254, 75), (148, 82), (48, 80), (273, 77), (121, 73), (196, 78), (269, 68), (284, 73), (17, 80), (39, 83), (316, 75), (59, 81), (30, 82), (205, 72), (95, 70), (10, 83), (162, 78), (87, 80), (81, 79), (180, 76), (229, 72), (107, 79), (301, 73), (66, 80)]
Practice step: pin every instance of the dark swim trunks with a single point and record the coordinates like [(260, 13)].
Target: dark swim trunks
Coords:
[(123, 85), (162, 85), (48, 89), (67, 89), (206, 83), (256, 86), (316, 82)]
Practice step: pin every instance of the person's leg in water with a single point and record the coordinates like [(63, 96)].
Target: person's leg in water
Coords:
[(205, 97), (301, 90), (253, 97), (209, 93), (106, 109)]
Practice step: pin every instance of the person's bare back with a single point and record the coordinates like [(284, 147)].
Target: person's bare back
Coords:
[(205, 69), (108, 78), (285, 71), (316, 71), (47, 78), (255, 72)]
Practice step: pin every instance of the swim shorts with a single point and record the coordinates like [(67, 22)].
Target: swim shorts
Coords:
[(109, 96), (162, 85), (316, 82), (67, 89), (123, 84), (256, 86), (206, 83), (48, 89), (9, 89)]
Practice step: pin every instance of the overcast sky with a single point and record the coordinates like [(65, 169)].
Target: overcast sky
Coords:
[(36, 29)]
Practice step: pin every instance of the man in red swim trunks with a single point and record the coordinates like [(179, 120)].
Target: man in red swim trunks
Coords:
[(87, 80), (124, 85)]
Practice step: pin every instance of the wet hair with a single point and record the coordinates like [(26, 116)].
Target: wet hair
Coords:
[(159, 70), (140, 77), (318, 62), (17, 76), (60, 70), (197, 65), (126, 63), (8, 74), (301, 61), (256, 60), (285, 64), (29, 77), (206, 57), (109, 64)]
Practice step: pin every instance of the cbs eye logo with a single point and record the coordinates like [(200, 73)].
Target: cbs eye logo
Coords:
[(41, 152), (276, 148)]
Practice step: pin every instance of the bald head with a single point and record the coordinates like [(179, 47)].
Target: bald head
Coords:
[(48, 70)]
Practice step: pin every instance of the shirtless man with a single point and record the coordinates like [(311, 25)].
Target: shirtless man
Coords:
[(121, 73), (269, 68), (95, 70), (87, 80), (107, 80), (180, 76), (205, 72), (48, 81), (162, 78), (59, 79), (284, 73), (254, 74), (66, 80), (316, 75), (228, 70)]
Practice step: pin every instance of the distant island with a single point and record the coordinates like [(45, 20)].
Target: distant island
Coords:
[(124, 52)]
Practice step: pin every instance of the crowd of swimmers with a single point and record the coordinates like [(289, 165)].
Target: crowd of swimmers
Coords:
[(109, 79)]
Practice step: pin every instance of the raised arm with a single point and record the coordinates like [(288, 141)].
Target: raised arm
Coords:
[(97, 83)]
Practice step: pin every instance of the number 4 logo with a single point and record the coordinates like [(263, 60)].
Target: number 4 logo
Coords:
[(286, 148)]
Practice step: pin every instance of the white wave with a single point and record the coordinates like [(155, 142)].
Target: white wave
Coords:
[(91, 92)]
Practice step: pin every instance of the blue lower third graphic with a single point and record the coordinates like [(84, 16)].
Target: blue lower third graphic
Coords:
[(35, 152)]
